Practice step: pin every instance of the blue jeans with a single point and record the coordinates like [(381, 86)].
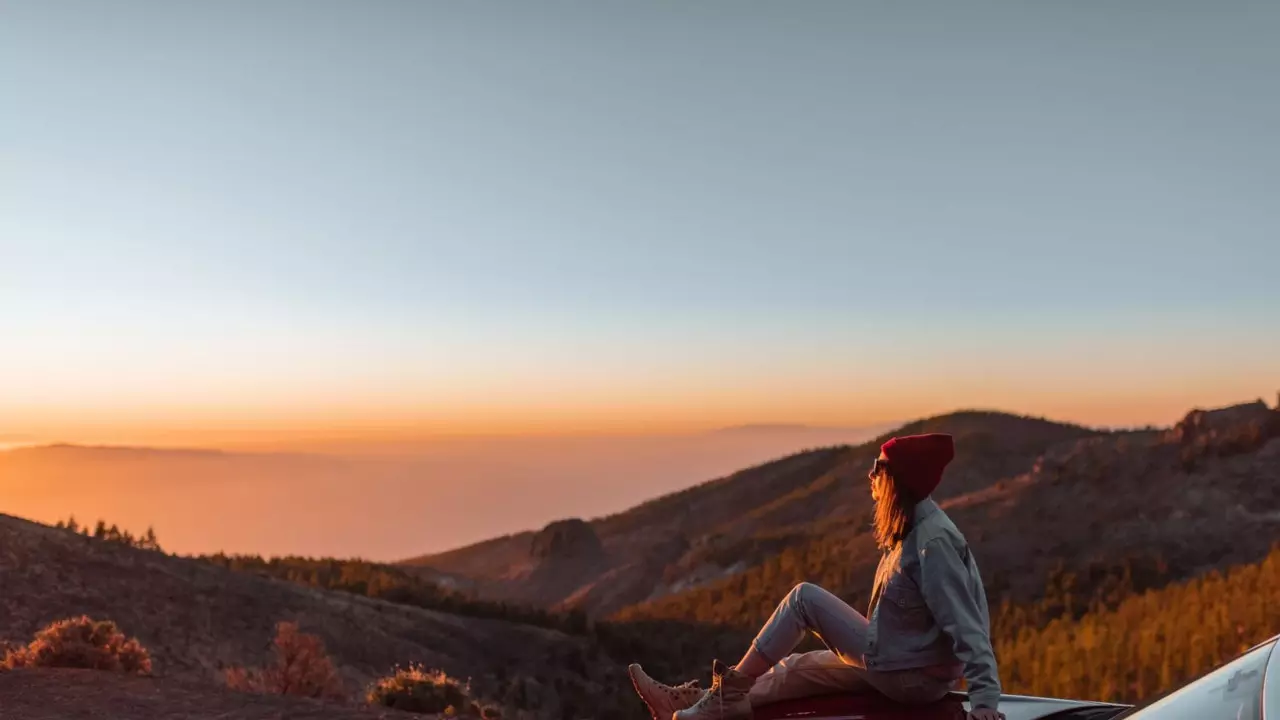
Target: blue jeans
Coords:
[(840, 668)]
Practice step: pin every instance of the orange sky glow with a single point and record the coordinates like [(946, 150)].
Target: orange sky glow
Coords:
[(315, 426)]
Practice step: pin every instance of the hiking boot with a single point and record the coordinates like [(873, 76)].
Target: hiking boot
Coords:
[(663, 700), (726, 700)]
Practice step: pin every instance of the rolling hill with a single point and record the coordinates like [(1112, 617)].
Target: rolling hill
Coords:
[(1096, 518), (1042, 503), (699, 535), (197, 619)]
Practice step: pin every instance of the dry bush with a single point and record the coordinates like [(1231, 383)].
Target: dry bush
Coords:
[(301, 667), (82, 643), (414, 689)]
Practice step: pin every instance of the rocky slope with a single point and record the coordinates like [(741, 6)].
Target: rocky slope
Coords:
[(1037, 498), (198, 619), (698, 536), (1135, 508)]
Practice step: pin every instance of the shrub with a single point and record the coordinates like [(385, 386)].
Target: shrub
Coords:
[(414, 689), (82, 643), (301, 667)]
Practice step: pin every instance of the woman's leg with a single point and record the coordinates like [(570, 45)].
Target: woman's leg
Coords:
[(841, 668), (807, 609), (803, 675), (820, 672)]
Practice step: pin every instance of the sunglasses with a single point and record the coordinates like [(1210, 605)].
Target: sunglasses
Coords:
[(879, 466)]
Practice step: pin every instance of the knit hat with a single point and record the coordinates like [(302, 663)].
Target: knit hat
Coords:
[(916, 462)]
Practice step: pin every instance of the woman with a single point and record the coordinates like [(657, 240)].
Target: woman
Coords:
[(928, 623)]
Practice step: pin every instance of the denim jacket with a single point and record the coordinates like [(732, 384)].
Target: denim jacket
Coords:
[(928, 607)]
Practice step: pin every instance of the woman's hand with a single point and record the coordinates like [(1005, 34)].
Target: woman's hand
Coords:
[(985, 714)]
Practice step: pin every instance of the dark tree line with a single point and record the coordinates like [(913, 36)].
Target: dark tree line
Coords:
[(112, 533)]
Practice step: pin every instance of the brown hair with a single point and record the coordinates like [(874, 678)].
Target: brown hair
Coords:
[(893, 511)]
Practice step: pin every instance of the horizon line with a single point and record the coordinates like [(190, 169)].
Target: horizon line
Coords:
[(320, 439)]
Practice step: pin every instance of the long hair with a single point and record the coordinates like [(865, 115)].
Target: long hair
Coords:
[(893, 511)]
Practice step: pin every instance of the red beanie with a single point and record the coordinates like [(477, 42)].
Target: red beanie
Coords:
[(916, 461)]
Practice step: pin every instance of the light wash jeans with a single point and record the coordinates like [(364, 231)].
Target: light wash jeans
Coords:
[(840, 668)]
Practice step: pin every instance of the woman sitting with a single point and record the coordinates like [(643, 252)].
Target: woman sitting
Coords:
[(928, 623)]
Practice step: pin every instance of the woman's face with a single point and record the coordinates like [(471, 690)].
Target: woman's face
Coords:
[(878, 477)]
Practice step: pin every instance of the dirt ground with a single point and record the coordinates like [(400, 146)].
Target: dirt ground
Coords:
[(43, 694)]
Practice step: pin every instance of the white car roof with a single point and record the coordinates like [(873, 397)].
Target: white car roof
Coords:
[(1026, 707)]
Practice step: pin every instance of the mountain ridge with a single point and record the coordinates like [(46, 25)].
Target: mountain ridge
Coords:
[(1138, 508), (1008, 467), (693, 536)]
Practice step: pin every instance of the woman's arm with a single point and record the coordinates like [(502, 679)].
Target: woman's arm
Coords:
[(949, 592)]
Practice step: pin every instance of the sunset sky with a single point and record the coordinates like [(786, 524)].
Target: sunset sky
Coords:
[(235, 222)]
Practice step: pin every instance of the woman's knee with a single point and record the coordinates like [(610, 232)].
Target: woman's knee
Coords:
[(800, 594), (804, 588)]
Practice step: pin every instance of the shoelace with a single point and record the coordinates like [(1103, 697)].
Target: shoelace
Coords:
[(720, 687), (686, 685), (717, 691)]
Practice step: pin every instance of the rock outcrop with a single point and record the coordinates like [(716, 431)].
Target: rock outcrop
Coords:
[(1225, 432), (566, 540)]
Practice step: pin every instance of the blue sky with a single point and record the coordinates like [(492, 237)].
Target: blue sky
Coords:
[(290, 210)]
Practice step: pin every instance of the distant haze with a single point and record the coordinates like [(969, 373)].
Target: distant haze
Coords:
[(382, 502)]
